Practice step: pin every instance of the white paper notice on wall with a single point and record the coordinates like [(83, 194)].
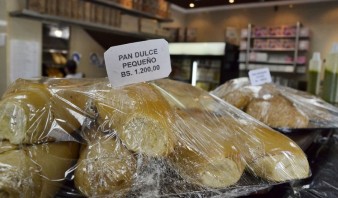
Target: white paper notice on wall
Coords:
[(138, 62), (260, 76), (2, 39), (24, 59)]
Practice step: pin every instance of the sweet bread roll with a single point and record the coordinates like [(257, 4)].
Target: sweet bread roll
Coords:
[(271, 155), (141, 116), (25, 115), (70, 107), (277, 112), (239, 99), (6, 146), (183, 95), (105, 167), (36, 171), (204, 156)]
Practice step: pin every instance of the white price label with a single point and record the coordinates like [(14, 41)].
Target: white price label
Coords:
[(260, 76), (138, 62)]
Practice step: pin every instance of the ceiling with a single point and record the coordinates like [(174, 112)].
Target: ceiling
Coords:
[(209, 3)]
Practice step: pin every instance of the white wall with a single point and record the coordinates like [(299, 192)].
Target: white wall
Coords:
[(81, 42), (16, 29), (321, 18), (3, 67)]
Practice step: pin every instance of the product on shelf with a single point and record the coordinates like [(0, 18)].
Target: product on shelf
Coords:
[(279, 106), (37, 5), (285, 46), (107, 12), (276, 112), (157, 138)]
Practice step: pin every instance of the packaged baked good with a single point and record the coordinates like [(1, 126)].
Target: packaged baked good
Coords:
[(279, 106), (154, 139)]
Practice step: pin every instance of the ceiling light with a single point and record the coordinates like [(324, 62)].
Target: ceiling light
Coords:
[(231, 1), (191, 5)]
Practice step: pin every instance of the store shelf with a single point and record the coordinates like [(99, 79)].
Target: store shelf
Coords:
[(270, 63), (88, 25), (273, 50), (278, 69), (130, 11), (276, 37)]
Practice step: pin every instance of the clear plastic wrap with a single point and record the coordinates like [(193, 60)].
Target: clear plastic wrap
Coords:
[(156, 139), (279, 106)]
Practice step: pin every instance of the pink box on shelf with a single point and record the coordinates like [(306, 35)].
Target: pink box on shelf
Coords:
[(260, 32), (288, 44), (289, 31), (260, 44), (275, 43), (276, 31), (301, 59)]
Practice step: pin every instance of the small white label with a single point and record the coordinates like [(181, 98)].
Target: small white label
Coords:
[(260, 76), (2, 39), (138, 62)]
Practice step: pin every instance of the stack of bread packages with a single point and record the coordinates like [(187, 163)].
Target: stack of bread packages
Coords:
[(83, 137), (278, 106)]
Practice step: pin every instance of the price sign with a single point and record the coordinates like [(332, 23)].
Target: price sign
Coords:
[(138, 62), (260, 76)]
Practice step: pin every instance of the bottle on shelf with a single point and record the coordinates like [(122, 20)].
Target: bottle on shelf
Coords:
[(313, 80), (331, 76)]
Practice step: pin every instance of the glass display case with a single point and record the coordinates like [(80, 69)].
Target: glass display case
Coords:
[(197, 63)]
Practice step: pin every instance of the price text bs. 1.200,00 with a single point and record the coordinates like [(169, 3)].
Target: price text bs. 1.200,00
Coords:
[(140, 70)]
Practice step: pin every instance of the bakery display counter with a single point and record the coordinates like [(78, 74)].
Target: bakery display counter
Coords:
[(162, 138)]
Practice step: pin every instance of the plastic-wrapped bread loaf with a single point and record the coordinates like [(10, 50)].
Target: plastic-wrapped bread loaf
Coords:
[(277, 112), (105, 167), (269, 154), (37, 170), (72, 102), (140, 115), (204, 156), (266, 153), (183, 95), (283, 160), (266, 103), (25, 115)]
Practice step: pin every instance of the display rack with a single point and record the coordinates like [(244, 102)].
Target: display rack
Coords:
[(87, 25), (125, 19), (130, 11), (293, 65)]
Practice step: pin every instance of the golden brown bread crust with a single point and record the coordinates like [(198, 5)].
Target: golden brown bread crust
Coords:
[(25, 115), (239, 99), (264, 103), (277, 112), (204, 156), (105, 167), (271, 155), (182, 95), (36, 171), (142, 118)]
